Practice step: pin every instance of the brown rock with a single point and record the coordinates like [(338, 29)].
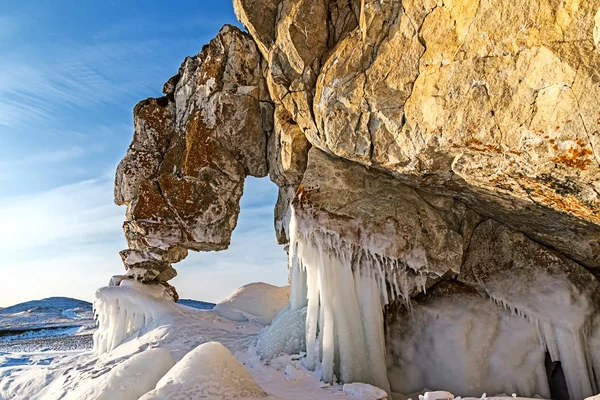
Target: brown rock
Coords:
[(183, 175), (376, 213)]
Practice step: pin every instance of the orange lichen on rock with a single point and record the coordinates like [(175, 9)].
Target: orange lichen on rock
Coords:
[(575, 158)]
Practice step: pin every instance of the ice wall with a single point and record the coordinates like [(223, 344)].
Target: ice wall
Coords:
[(123, 310), (565, 342), (461, 339), (345, 288)]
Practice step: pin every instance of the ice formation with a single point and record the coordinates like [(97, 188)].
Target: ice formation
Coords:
[(464, 344), (565, 338), (125, 309), (345, 288), (438, 395), (364, 391), (285, 335)]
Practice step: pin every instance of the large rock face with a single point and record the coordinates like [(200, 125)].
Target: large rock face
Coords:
[(488, 101), (379, 214), (448, 146)]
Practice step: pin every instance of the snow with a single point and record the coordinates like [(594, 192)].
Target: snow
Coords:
[(178, 331), (171, 353), (365, 391), (72, 313), (285, 335), (208, 371), (561, 321), (128, 380), (53, 312), (258, 302)]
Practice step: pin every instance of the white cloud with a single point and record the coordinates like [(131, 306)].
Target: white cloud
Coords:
[(35, 87), (72, 214)]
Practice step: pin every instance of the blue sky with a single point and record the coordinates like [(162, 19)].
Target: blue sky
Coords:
[(70, 74)]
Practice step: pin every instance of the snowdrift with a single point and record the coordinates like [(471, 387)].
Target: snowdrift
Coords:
[(208, 371), (258, 302)]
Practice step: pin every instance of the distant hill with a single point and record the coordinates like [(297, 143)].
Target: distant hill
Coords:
[(58, 313), (202, 305), (60, 303)]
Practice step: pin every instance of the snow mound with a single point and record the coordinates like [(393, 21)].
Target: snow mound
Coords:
[(125, 309), (257, 302), (285, 335), (50, 313), (128, 380), (365, 391), (208, 371)]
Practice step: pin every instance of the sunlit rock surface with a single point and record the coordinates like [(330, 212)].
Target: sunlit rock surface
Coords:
[(447, 147)]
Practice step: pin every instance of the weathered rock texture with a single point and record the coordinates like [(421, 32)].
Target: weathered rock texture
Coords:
[(183, 175), (459, 138)]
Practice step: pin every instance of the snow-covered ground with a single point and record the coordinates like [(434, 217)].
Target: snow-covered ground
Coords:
[(150, 348)]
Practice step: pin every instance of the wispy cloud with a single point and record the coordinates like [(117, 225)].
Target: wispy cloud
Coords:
[(36, 87), (69, 215), (34, 92), (48, 157), (63, 241)]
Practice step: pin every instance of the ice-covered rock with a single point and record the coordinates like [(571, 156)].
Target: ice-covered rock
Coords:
[(285, 335), (364, 391), (209, 371), (257, 302), (123, 310), (437, 395), (555, 294)]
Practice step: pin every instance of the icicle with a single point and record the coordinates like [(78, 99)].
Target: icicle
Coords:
[(569, 346), (345, 288)]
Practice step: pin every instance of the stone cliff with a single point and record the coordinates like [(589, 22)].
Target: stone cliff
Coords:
[(446, 147)]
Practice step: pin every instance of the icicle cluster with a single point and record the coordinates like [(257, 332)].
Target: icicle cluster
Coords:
[(345, 288), (567, 344), (123, 310)]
